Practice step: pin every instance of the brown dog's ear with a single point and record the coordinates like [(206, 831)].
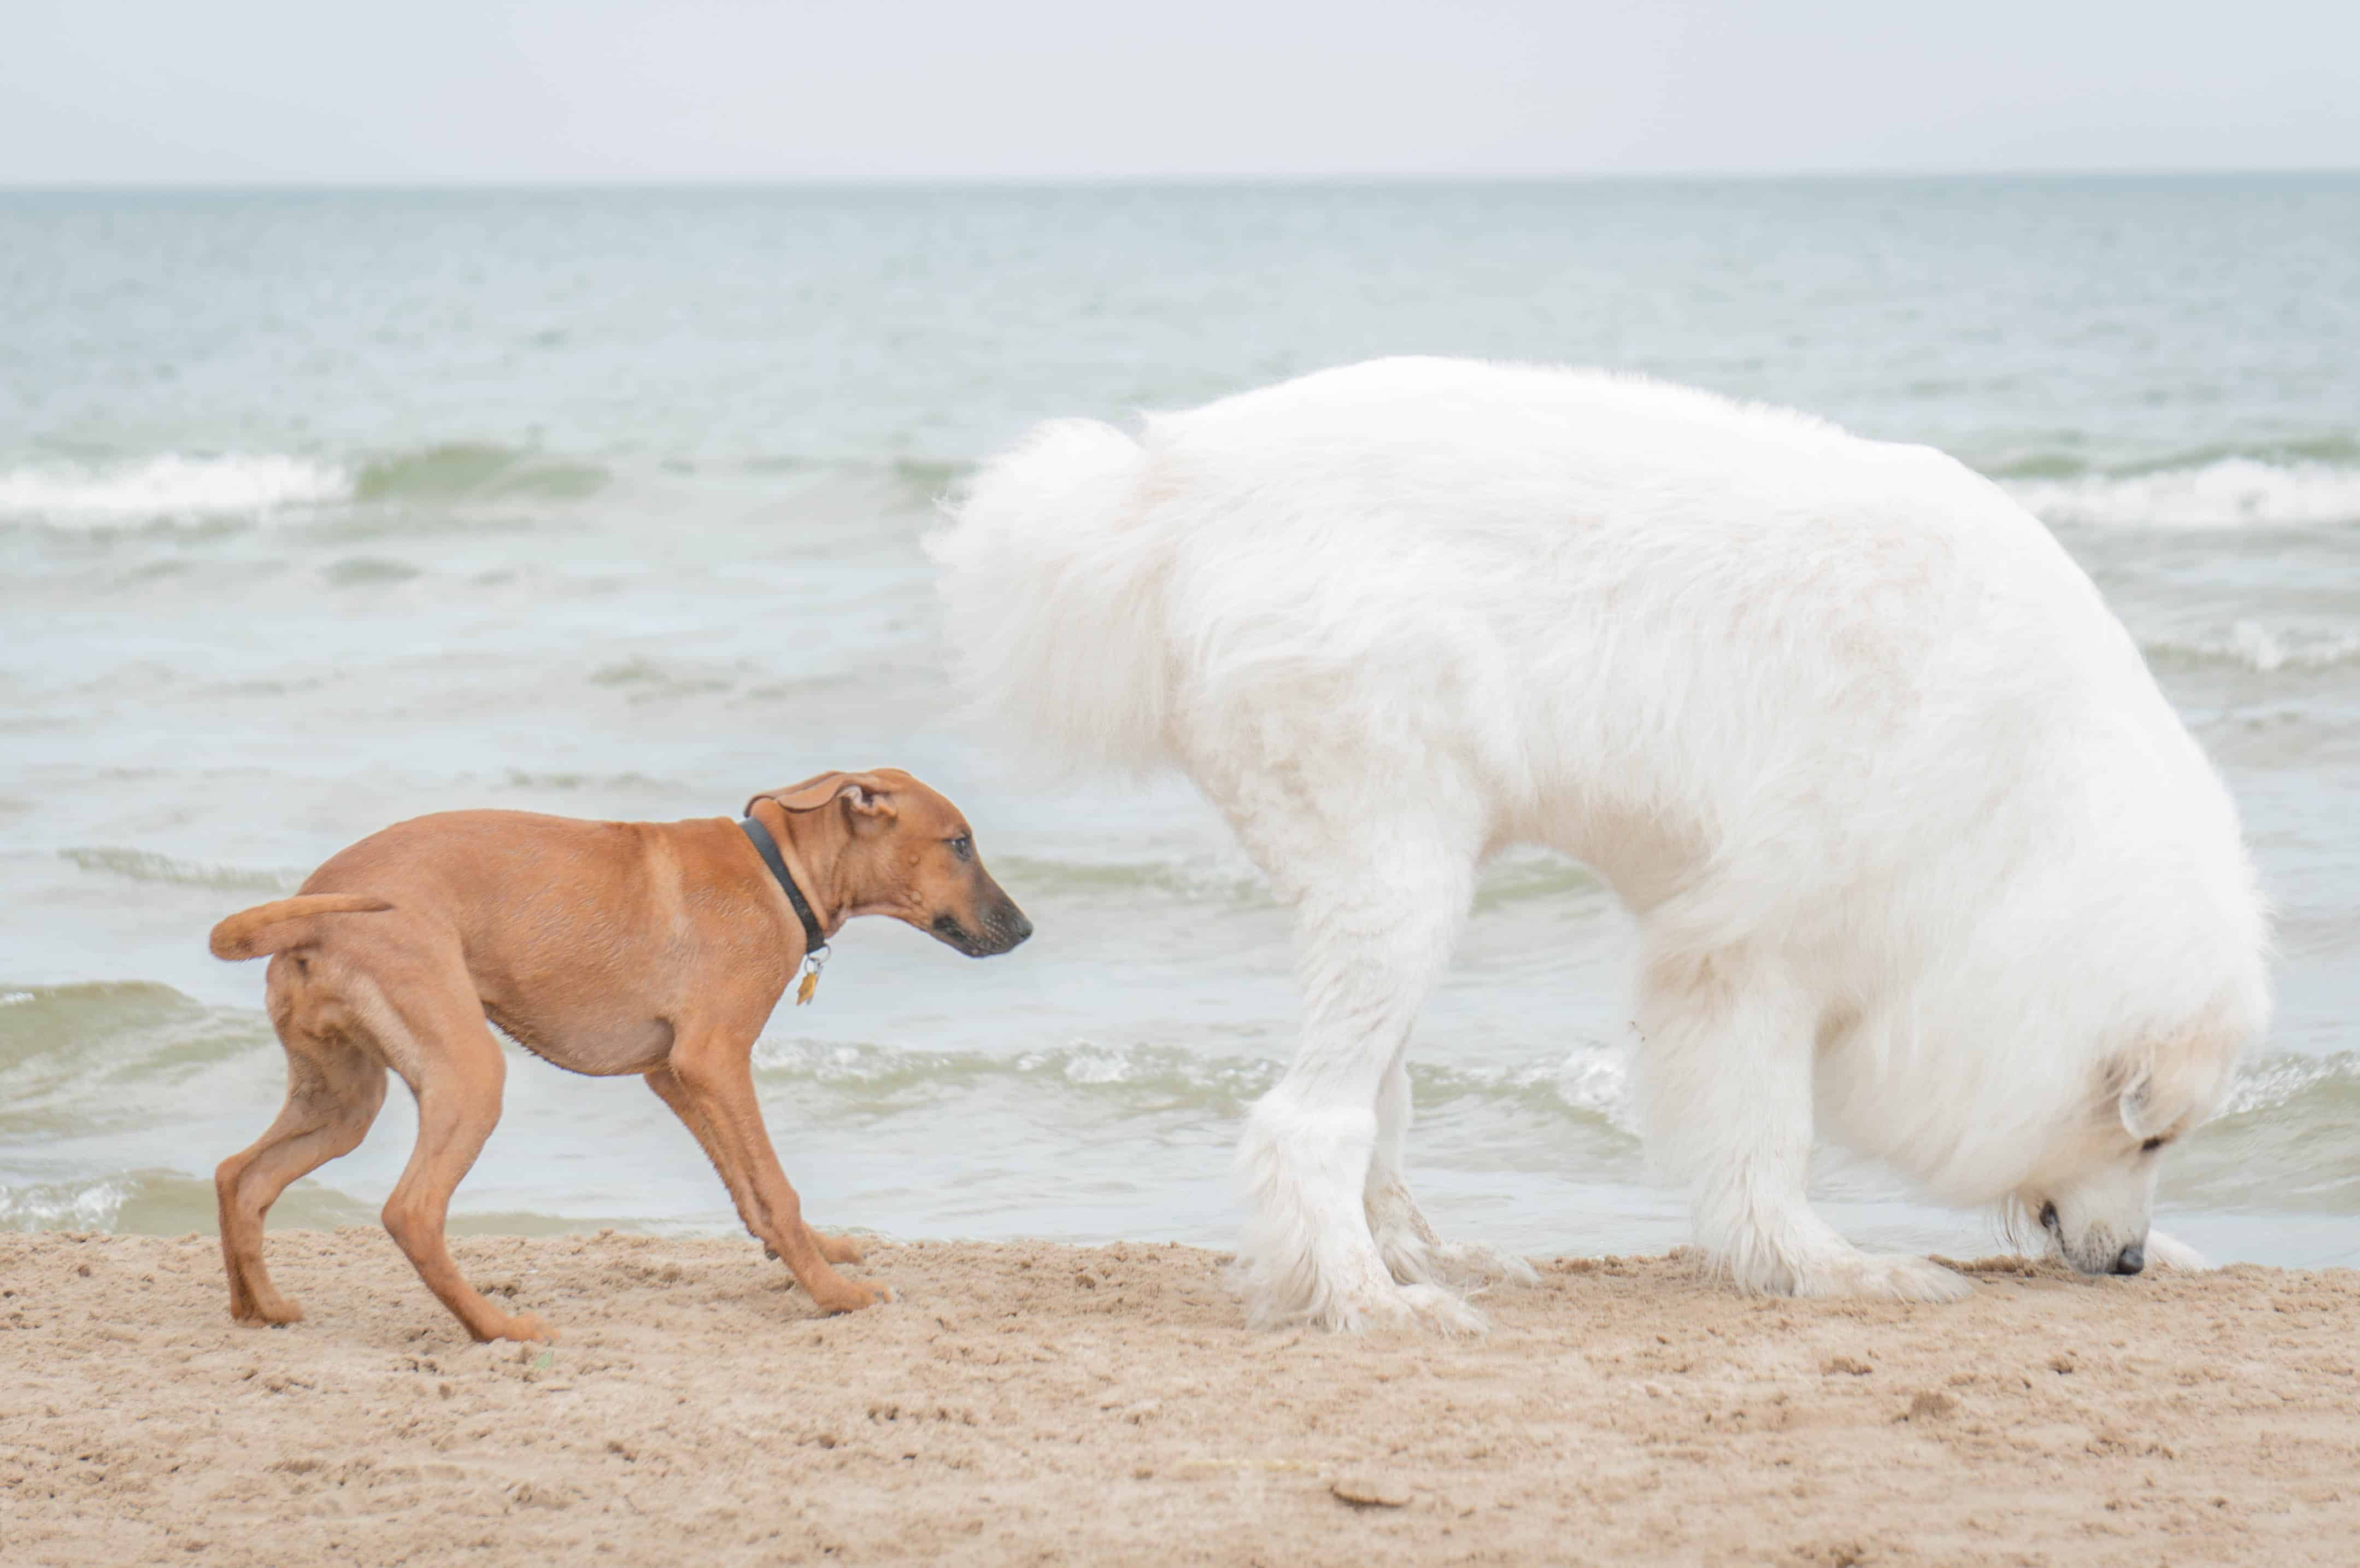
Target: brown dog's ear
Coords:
[(808, 796), (864, 792)]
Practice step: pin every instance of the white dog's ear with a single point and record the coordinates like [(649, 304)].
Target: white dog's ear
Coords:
[(2137, 1109)]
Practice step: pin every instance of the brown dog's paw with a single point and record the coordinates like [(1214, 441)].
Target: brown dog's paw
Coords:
[(850, 1297), (276, 1313), (837, 1248), (527, 1328)]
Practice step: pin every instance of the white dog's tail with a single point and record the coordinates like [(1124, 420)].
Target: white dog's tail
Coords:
[(1052, 586)]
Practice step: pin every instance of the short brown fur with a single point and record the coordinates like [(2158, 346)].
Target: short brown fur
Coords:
[(653, 948)]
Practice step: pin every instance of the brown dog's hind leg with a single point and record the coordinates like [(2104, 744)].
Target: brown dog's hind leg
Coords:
[(456, 1071), (835, 1248), (719, 1085), (333, 1090)]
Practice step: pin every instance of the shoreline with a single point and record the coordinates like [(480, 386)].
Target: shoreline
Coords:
[(1043, 1403)]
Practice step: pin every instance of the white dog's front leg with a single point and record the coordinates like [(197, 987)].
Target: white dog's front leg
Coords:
[(1306, 1255), (2170, 1252), (1724, 1080), (1370, 946)]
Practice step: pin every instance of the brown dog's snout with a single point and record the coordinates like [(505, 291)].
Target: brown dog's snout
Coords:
[(995, 928), (1009, 924)]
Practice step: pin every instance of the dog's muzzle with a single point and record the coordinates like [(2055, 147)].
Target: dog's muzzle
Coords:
[(2130, 1260), (1003, 929)]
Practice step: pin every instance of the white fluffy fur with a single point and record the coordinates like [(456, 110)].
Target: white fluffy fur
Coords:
[(1922, 859)]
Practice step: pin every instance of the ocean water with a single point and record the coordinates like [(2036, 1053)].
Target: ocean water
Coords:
[(320, 510)]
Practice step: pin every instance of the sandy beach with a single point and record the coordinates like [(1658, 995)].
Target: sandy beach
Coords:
[(1038, 1403)]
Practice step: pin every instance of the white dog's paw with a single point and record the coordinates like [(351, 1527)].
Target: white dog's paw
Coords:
[(1409, 1306), (1416, 1255), (2165, 1252), (1369, 1302), (1882, 1276), (1416, 1260), (1468, 1262)]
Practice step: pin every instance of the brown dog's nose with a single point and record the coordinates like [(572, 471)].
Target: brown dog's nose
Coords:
[(1006, 928)]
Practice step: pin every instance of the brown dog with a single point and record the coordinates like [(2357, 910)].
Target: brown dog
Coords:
[(657, 948)]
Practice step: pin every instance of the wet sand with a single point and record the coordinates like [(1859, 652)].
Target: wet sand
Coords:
[(1043, 1404)]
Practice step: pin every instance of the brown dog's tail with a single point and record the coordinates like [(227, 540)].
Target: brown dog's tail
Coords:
[(274, 928)]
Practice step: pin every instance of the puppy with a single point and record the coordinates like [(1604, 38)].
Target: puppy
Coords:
[(654, 948)]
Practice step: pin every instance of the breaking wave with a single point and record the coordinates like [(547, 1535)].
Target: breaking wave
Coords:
[(63, 1205), (2225, 493), (176, 488), (170, 488), (2263, 649)]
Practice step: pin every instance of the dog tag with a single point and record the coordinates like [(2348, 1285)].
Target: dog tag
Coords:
[(812, 962)]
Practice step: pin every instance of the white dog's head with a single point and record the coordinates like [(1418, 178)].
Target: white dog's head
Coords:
[(2095, 1191)]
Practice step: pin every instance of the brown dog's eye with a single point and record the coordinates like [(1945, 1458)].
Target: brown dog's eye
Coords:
[(962, 846), (2150, 1146)]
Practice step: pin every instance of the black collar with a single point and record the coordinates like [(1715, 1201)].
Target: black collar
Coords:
[(814, 938)]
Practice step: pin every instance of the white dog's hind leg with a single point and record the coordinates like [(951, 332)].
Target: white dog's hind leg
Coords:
[(1724, 1080), (1405, 1240)]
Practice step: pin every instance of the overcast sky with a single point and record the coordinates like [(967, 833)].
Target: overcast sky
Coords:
[(169, 91)]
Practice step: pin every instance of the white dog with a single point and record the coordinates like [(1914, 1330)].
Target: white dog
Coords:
[(1920, 856)]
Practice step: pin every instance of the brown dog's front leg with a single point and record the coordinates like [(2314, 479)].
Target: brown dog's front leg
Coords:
[(835, 1248), (711, 1088)]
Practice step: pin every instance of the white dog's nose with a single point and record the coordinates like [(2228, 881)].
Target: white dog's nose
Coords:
[(2131, 1258)]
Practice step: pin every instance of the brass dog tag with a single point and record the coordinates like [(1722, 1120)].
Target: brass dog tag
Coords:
[(810, 983)]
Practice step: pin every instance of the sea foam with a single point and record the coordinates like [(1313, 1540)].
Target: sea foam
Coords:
[(2264, 649), (63, 1205), (169, 488), (2228, 493)]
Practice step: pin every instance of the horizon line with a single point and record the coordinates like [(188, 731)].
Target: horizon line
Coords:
[(1136, 182)]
